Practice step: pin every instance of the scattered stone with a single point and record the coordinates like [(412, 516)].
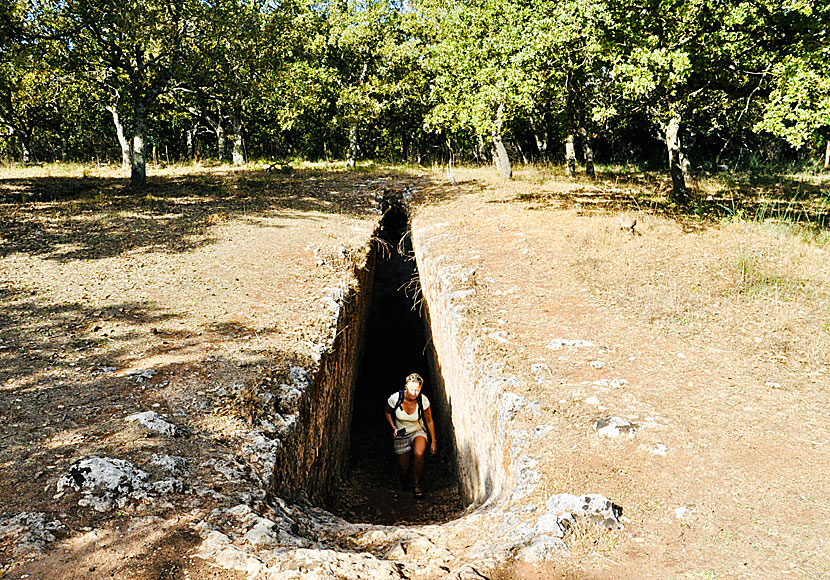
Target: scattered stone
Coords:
[(559, 343), (683, 511), (562, 509), (227, 468), (289, 395), (175, 465), (300, 377), (660, 449), (154, 422), (613, 427), (597, 364), (166, 486), (263, 452), (591, 401), (30, 531), (141, 374), (103, 481)]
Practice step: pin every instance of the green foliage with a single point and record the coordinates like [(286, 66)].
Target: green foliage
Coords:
[(799, 104), (742, 78)]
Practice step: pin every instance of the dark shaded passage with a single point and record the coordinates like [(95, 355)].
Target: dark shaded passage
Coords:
[(395, 346)]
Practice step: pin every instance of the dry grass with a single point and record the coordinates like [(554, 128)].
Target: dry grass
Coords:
[(720, 324), (705, 268)]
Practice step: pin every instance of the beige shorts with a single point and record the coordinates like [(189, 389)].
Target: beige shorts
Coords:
[(404, 444)]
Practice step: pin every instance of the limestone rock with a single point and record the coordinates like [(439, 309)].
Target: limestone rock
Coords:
[(560, 343), (543, 548), (30, 531), (102, 481), (175, 465), (106, 482), (154, 423), (141, 374), (218, 549), (613, 427), (166, 486), (562, 508)]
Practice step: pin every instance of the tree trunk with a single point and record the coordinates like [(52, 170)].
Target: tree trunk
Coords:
[(499, 151), (122, 139), (827, 155), (480, 152), (521, 152), (138, 169), (27, 155), (588, 152), (540, 144), (677, 161), (189, 143), (570, 156), (238, 144), (221, 141), (501, 158), (354, 149)]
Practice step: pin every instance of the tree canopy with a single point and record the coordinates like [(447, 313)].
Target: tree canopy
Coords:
[(678, 85)]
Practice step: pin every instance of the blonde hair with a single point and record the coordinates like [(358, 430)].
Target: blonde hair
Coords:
[(415, 378)]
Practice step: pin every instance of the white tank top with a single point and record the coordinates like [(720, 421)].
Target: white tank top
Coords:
[(404, 419)]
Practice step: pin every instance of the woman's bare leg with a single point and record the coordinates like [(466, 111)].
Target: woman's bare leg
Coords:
[(403, 463), (419, 447)]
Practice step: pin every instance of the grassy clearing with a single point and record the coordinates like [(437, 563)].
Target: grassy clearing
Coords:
[(689, 272)]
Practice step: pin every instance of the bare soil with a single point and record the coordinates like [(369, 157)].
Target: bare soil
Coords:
[(712, 334)]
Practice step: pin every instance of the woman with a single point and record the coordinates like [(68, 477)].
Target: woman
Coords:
[(408, 413)]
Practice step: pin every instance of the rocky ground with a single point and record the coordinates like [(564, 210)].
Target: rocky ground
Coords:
[(679, 369)]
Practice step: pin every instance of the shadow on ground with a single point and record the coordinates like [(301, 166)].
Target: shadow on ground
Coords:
[(79, 218), (723, 196)]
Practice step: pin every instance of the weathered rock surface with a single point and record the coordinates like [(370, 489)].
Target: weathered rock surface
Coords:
[(105, 483), (30, 531), (154, 423), (613, 427)]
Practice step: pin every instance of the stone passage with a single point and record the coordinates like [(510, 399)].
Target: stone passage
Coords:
[(396, 345)]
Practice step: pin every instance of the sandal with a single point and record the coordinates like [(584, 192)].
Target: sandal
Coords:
[(418, 491)]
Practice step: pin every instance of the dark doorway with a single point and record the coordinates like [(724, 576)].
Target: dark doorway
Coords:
[(395, 346)]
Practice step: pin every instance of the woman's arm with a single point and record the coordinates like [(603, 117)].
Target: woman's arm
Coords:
[(433, 447), (389, 417)]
